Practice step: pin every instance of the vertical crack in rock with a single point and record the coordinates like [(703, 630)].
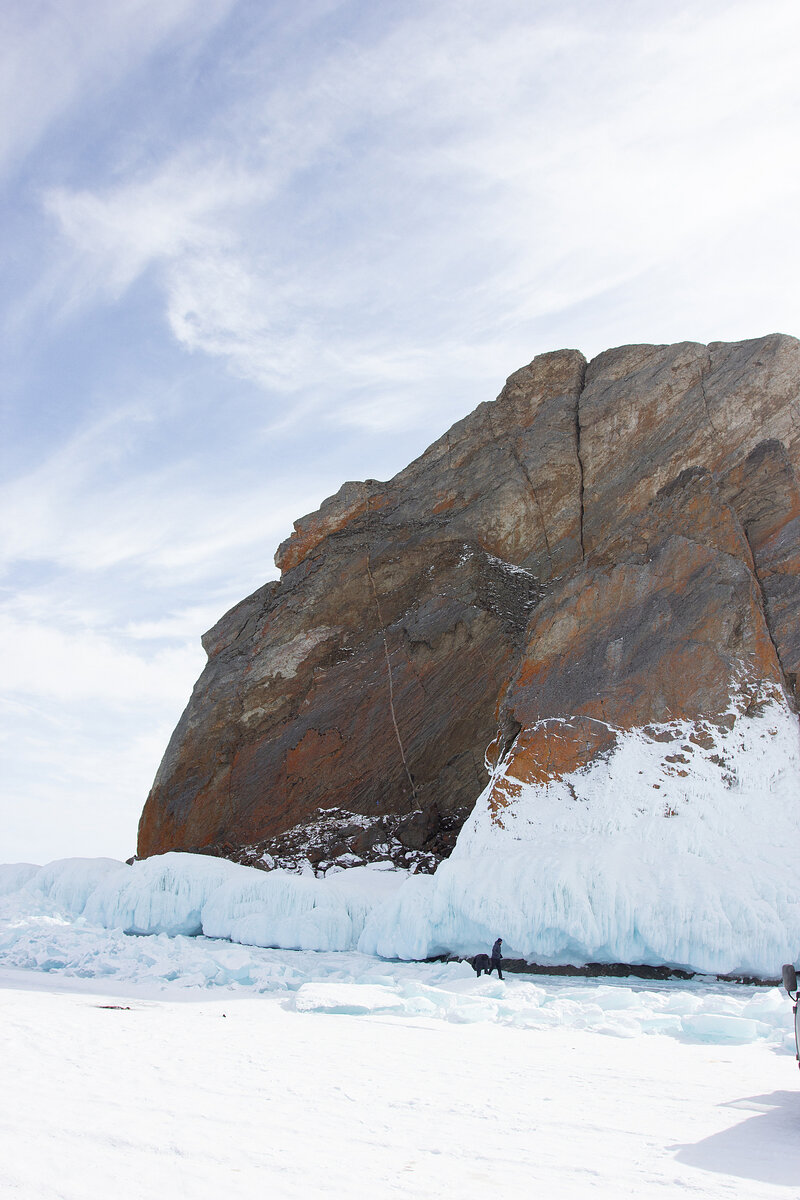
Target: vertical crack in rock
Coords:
[(389, 674), (702, 382), (579, 457)]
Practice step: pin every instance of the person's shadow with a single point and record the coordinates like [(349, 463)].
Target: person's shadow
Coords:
[(766, 1147)]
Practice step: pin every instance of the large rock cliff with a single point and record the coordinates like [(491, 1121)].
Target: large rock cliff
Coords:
[(606, 549)]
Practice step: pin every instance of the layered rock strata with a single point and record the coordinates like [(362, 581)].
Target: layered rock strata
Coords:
[(605, 548)]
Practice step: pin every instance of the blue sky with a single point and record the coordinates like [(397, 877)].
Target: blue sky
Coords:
[(250, 250)]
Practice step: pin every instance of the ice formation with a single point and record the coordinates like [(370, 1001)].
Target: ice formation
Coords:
[(191, 894), (13, 876), (84, 957), (634, 859), (163, 894), (299, 912)]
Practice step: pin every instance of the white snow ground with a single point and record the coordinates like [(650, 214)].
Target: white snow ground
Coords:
[(151, 1063), (336, 1075)]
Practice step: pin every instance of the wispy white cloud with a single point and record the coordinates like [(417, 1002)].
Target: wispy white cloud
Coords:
[(181, 624), (69, 665), (449, 177), (84, 507), (54, 55), (74, 776)]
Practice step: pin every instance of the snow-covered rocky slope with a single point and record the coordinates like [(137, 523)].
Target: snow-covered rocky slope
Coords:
[(631, 858)]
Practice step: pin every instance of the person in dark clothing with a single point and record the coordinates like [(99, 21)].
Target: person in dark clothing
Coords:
[(497, 958)]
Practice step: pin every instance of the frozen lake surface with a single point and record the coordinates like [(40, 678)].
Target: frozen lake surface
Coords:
[(158, 1066)]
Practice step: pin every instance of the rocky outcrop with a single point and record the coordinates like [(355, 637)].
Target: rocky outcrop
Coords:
[(603, 548)]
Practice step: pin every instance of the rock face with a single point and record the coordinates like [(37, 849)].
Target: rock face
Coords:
[(604, 548)]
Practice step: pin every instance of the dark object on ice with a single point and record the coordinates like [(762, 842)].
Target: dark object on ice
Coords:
[(595, 970), (481, 963), (497, 958), (790, 983)]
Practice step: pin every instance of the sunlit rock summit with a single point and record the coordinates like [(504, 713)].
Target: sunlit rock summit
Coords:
[(569, 631)]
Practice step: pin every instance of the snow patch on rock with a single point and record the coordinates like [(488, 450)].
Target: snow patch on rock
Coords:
[(635, 858)]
